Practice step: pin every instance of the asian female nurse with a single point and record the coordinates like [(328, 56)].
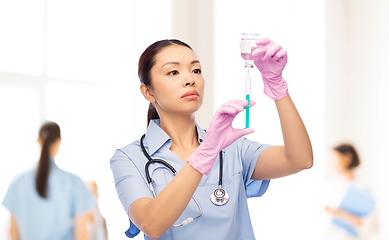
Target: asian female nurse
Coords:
[(182, 205)]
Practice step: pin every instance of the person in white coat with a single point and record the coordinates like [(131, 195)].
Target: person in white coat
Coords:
[(346, 225)]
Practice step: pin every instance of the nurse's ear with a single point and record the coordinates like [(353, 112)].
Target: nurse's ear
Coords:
[(39, 141), (147, 93)]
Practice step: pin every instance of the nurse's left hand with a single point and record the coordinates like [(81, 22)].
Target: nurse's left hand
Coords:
[(219, 135), (270, 59)]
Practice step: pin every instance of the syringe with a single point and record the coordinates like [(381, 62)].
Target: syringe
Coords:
[(248, 92), (246, 44)]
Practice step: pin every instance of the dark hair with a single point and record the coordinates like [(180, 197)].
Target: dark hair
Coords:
[(147, 61), (348, 148), (48, 134)]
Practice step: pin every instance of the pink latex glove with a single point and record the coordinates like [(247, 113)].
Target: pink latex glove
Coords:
[(270, 59), (220, 135)]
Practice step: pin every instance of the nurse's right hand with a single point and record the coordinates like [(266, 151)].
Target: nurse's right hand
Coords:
[(219, 135)]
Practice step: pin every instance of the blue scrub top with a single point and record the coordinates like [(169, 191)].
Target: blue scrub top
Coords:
[(230, 221), (50, 218)]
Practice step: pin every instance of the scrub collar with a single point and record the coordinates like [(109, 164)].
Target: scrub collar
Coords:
[(156, 137)]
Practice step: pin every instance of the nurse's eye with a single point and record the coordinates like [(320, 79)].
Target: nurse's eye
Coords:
[(173, 72), (198, 70)]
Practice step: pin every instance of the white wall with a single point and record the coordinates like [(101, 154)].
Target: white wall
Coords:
[(192, 22), (357, 108)]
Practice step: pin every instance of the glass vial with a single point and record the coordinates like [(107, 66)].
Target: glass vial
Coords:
[(247, 42)]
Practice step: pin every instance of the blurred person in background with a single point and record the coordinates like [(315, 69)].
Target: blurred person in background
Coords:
[(97, 227), (47, 202), (350, 205)]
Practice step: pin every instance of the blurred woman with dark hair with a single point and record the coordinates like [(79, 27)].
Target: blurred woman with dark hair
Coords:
[(47, 202), (350, 204)]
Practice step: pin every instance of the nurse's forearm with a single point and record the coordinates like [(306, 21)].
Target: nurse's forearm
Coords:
[(14, 232), (298, 149), (80, 225), (159, 214), (348, 217)]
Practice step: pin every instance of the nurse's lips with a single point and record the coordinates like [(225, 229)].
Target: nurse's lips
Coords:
[(191, 95)]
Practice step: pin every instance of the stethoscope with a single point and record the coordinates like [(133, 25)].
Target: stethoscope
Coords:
[(219, 196)]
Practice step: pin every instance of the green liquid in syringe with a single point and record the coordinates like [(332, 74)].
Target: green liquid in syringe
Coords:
[(247, 110)]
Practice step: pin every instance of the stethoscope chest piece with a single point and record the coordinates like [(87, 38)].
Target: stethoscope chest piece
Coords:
[(219, 197)]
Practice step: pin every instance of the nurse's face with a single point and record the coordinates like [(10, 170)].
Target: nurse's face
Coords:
[(339, 162), (177, 81)]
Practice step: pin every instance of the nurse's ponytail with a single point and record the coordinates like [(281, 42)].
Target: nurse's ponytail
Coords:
[(147, 61), (152, 113), (48, 134)]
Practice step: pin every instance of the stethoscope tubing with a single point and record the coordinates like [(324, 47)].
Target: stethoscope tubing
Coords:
[(149, 180), (173, 170), (150, 161)]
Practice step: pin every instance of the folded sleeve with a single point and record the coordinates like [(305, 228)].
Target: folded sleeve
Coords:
[(83, 199), (129, 182), (250, 151), (10, 200)]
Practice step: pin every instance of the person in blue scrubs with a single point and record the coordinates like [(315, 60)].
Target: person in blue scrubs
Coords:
[(47, 202), (172, 81)]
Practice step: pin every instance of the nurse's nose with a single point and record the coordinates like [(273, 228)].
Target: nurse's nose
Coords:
[(189, 81)]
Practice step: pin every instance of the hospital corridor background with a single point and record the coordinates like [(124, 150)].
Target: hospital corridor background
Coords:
[(75, 62)]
